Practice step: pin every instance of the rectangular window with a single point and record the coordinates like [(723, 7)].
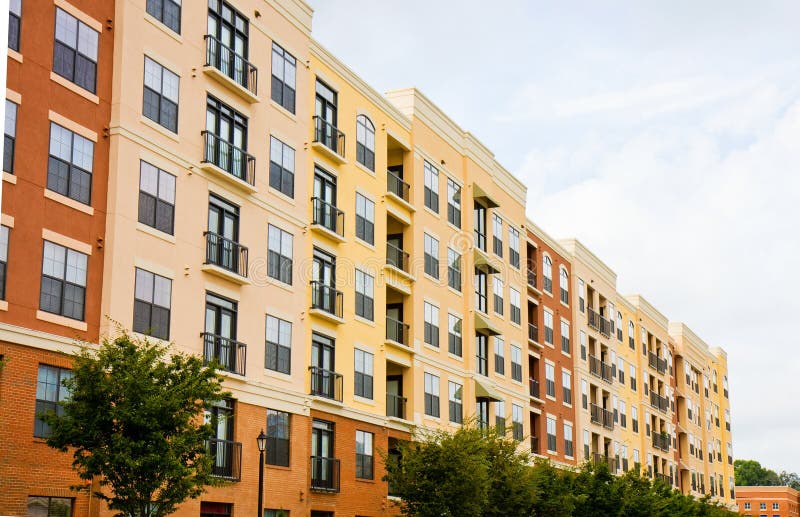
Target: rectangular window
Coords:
[(281, 167), (482, 354), (516, 422), (569, 449), (431, 187), (49, 392), (584, 394), (365, 295), (548, 327), (513, 247), (581, 295), (634, 419), (63, 289), (455, 403), (277, 438), (431, 395), (480, 290), (479, 224), (39, 506), (365, 142), (151, 304), (515, 305), (363, 375), (551, 435), (161, 88), (279, 345), (454, 335), (621, 370), (565, 338), (632, 370), (14, 16), (453, 203), (156, 198), (364, 456), (10, 137), (431, 256), (623, 417), (167, 12), (69, 167), (516, 363), (497, 235), (499, 356), (454, 269), (431, 315), (284, 71), (277, 513), (550, 379), (566, 386), (279, 260), (365, 219), (3, 260), (583, 345), (498, 294), (75, 51), (500, 416)]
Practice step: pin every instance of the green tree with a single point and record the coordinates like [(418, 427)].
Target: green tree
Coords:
[(751, 473), (133, 423), (789, 479)]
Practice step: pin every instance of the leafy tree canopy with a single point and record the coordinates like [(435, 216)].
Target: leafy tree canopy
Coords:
[(751, 473)]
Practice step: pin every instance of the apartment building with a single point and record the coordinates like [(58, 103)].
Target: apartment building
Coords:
[(773, 501)]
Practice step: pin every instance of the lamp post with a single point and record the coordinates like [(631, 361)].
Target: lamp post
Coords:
[(261, 440)]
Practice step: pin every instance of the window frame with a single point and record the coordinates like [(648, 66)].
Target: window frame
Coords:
[(365, 153), (516, 366), (431, 186), (431, 255), (281, 175), (363, 374), (40, 428), (72, 167), (163, 101), (10, 140), (14, 24), (365, 460), (274, 452), (159, 5), (454, 335), (75, 52), (365, 219), (151, 304), (431, 396), (453, 203), (158, 201), (279, 271), (431, 324), (63, 282), (277, 351), (454, 269), (280, 55), (364, 295), (455, 393)]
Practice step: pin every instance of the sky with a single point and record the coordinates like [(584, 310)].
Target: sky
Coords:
[(663, 135)]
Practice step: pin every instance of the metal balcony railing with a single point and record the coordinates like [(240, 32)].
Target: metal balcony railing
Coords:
[(593, 318), (231, 159), (225, 253), (326, 298), (657, 363), (661, 441), (535, 444), (532, 278), (326, 383), (533, 332), (534, 388), (659, 402), (397, 186), (230, 354), (396, 257), (396, 406), (233, 65), (328, 135), (600, 369), (327, 215), (602, 416), (397, 331), (599, 459), (324, 474), (226, 459)]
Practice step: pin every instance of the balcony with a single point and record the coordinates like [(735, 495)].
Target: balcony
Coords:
[(397, 331), (226, 459), (228, 353), (657, 363), (228, 162), (324, 474), (533, 386), (600, 369), (533, 333), (397, 258), (661, 441), (328, 139), (325, 383), (599, 323), (663, 478), (535, 445), (231, 69), (326, 300), (225, 258), (602, 416), (327, 218), (397, 187), (659, 402), (396, 406), (600, 459), (532, 279)]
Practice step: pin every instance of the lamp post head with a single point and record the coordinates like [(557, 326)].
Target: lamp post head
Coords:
[(261, 440)]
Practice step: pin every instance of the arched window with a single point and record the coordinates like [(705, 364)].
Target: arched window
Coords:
[(365, 142), (547, 270), (563, 283)]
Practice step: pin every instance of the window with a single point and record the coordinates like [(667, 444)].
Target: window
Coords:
[(456, 407), (69, 168), (365, 219), (63, 289), (160, 102), (49, 392), (365, 298), (635, 419), (480, 226), (565, 338), (550, 379), (279, 345), (551, 435), (49, 506), (548, 327), (454, 335), (431, 395), (431, 324), (581, 295), (762, 506), (563, 284), (566, 386), (584, 394), (583, 344), (453, 203), (10, 137), (365, 142), (482, 354), (497, 235), (513, 247), (167, 12), (498, 294), (281, 167), (516, 311), (746, 506), (225, 141), (431, 256), (75, 51), (454, 269), (621, 370), (547, 270), (632, 371), (212, 509), (156, 198), (480, 291), (151, 304), (482, 412), (431, 187), (516, 422), (631, 333), (278, 513), (3, 260), (364, 455), (278, 438), (569, 448), (499, 355), (14, 16), (279, 259), (363, 374), (284, 71), (775, 506), (516, 363)]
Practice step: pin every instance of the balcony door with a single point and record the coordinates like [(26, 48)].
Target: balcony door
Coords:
[(325, 193), (322, 353), (223, 224), (220, 416), (394, 322), (322, 451), (230, 127), (221, 330), (394, 394), (325, 109), (230, 29)]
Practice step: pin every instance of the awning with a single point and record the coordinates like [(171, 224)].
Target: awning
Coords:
[(484, 263), (481, 195), (484, 390), (484, 326)]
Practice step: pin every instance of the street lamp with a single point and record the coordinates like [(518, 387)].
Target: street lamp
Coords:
[(261, 440)]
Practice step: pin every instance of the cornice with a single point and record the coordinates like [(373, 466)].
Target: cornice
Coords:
[(543, 236), (577, 250), (648, 310), (298, 12)]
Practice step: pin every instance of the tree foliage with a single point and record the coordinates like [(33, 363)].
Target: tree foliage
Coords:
[(133, 423), (751, 473)]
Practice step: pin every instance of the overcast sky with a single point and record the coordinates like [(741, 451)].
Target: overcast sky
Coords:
[(664, 135)]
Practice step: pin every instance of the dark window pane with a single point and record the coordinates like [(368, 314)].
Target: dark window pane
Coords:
[(63, 60), (8, 154), (150, 107), (169, 115), (80, 188), (50, 299), (58, 176), (73, 301), (13, 32), (147, 209), (165, 217), (85, 73), (160, 322)]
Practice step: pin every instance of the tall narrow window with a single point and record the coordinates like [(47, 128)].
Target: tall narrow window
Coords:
[(565, 346), (481, 279), (550, 379), (63, 288), (581, 295), (151, 304), (453, 203), (279, 258), (281, 167), (10, 136), (454, 335), (454, 269), (482, 354), (431, 314), (365, 219), (548, 327), (497, 235), (547, 270), (500, 416), (499, 355), (563, 284), (365, 295), (431, 395), (515, 306), (75, 51), (513, 247), (516, 422), (479, 226), (160, 95), (498, 294), (365, 142), (167, 12), (156, 198), (225, 141), (14, 21), (227, 44), (431, 180), (552, 446), (279, 345), (566, 386), (431, 256), (69, 168), (363, 374), (284, 71), (325, 118), (454, 402), (278, 437), (3, 260), (50, 390), (516, 363), (569, 448), (364, 458)]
